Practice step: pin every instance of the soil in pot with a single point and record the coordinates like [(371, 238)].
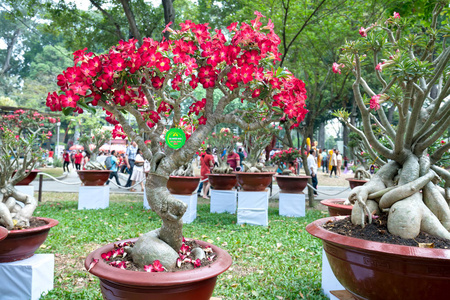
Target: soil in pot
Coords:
[(377, 232)]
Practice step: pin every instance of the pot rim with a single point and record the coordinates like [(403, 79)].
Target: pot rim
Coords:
[(247, 173), (315, 229), (357, 180), (185, 177), (332, 203), (293, 177), (221, 175), (92, 171), (105, 271), (50, 223), (3, 233)]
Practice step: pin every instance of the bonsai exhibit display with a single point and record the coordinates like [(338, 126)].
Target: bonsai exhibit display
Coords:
[(156, 84), (411, 189)]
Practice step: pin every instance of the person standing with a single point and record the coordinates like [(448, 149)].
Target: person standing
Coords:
[(338, 163), (206, 163), (333, 164), (233, 159), (72, 158), (324, 161), (114, 168), (66, 158), (78, 159), (241, 157), (292, 168), (138, 171), (130, 155), (312, 165)]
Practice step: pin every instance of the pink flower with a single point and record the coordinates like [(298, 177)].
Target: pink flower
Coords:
[(149, 268), (374, 102), (378, 67), (396, 15), (197, 263), (363, 32), (337, 68), (157, 266)]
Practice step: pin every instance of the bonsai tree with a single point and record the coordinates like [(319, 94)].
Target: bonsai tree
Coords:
[(255, 143), (154, 81), (411, 65), (223, 141), (286, 156), (98, 138), (21, 135)]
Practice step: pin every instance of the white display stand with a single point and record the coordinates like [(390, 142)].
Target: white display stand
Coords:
[(329, 281), (28, 278), (146, 206), (26, 189), (223, 201), (253, 208), (191, 212), (93, 197), (292, 205)]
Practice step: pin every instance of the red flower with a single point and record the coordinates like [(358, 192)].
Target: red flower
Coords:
[(202, 120), (256, 93), (163, 64), (157, 82), (69, 99)]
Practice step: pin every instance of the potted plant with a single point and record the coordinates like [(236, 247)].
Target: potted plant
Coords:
[(414, 79), (222, 177), (95, 174), (255, 176), (288, 181), (151, 82), (21, 134), (182, 181)]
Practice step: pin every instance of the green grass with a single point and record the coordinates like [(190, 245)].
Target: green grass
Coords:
[(55, 172), (281, 261)]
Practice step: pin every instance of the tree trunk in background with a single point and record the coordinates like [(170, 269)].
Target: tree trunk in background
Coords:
[(169, 14), (321, 137), (131, 20), (346, 151)]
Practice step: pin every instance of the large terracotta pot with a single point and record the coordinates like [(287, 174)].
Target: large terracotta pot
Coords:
[(355, 182), (182, 185), (93, 177), (337, 208), (21, 244), (372, 270), (252, 182), (3, 233), (197, 284), (292, 184), (27, 180), (224, 182)]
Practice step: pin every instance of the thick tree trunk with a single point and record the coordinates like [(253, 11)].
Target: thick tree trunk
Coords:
[(169, 14), (321, 137), (9, 52), (131, 20)]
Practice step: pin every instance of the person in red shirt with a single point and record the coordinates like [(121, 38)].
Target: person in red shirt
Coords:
[(78, 159), (206, 164), (66, 158), (50, 153), (233, 159)]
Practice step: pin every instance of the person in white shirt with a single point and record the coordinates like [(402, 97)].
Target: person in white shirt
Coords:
[(312, 165)]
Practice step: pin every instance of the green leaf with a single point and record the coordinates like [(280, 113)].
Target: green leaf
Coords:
[(67, 111)]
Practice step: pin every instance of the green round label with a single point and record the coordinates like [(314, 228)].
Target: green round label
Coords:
[(175, 138)]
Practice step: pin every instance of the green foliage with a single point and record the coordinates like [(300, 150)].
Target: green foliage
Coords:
[(279, 260)]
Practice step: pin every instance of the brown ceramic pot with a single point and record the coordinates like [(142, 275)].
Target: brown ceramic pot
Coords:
[(292, 184), (21, 244), (182, 185), (337, 208), (3, 233), (254, 182), (372, 270), (223, 182), (93, 177), (197, 284), (27, 180), (355, 182)]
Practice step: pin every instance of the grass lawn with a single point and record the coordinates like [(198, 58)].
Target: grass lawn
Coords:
[(55, 172), (281, 261)]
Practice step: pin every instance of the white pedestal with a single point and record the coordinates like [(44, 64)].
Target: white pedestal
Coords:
[(146, 205), (329, 281), (252, 208), (26, 189), (28, 278), (223, 201), (191, 212), (292, 205), (93, 197)]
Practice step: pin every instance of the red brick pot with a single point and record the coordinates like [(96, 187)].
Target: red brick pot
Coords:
[(93, 177), (197, 284), (292, 184), (21, 244), (355, 182), (223, 182), (379, 271), (27, 180), (3, 233), (182, 185), (254, 182), (337, 208)]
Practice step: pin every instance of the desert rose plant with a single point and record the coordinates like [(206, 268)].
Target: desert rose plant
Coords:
[(286, 156), (411, 64), (153, 81), (98, 138), (21, 135), (222, 141)]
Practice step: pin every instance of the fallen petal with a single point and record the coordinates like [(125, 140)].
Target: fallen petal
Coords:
[(92, 264)]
